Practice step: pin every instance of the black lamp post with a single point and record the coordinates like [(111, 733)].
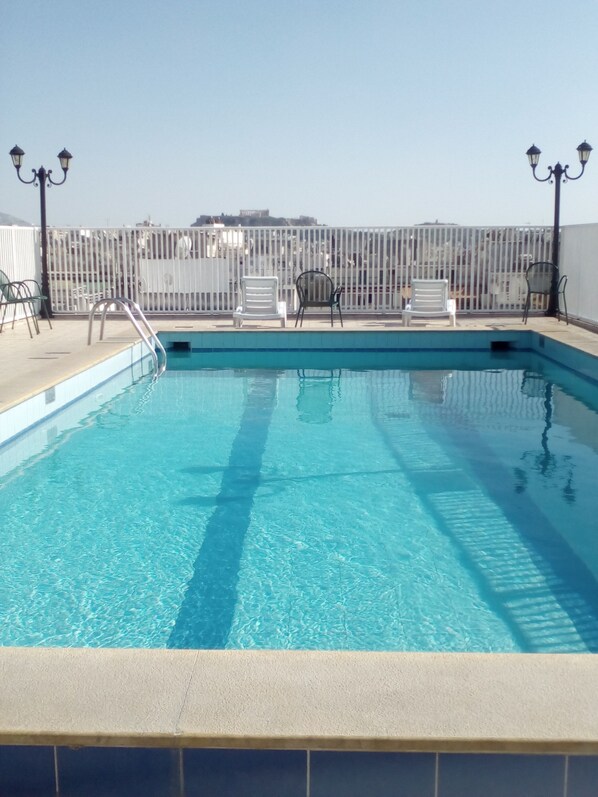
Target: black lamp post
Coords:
[(42, 178), (557, 173)]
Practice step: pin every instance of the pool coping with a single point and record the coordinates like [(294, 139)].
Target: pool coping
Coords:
[(427, 702)]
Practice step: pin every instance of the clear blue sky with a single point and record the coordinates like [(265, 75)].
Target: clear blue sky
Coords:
[(369, 112)]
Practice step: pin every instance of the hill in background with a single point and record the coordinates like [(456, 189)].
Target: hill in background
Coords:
[(6, 220)]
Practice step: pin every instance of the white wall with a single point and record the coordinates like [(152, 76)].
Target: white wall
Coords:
[(202, 275), (20, 257), (579, 261), (19, 253), (173, 284)]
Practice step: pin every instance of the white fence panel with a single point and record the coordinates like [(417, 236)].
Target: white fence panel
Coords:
[(183, 285), (20, 257), (198, 270), (20, 253), (578, 259)]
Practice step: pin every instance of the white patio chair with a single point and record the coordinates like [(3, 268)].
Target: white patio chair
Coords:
[(259, 301), (430, 298)]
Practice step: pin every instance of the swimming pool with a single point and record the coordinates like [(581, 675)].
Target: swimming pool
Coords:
[(315, 502)]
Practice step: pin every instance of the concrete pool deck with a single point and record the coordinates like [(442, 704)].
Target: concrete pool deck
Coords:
[(522, 703)]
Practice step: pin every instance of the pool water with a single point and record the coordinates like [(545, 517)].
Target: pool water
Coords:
[(314, 502)]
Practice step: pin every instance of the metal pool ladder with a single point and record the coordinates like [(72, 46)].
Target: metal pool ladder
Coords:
[(131, 309)]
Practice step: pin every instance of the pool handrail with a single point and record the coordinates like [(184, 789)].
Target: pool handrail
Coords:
[(128, 306)]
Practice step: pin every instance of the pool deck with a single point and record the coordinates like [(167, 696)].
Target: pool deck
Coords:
[(455, 702)]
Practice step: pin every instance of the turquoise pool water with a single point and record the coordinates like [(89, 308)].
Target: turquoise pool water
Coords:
[(305, 500)]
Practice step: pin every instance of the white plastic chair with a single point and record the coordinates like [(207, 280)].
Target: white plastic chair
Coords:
[(259, 301), (430, 298)]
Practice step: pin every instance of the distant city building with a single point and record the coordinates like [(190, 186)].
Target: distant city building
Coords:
[(437, 224), (258, 214), (253, 218)]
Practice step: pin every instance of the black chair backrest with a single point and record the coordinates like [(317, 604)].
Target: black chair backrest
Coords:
[(540, 277), (315, 288)]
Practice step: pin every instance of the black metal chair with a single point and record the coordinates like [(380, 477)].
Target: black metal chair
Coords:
[(540, 278), (316, 289)]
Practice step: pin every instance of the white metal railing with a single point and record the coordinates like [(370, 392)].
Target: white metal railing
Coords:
[(133, 312), (198, 269)]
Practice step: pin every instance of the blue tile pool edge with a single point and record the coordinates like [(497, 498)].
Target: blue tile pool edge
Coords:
[(22, 417), (57, 771), (349, 340), (564, 354)]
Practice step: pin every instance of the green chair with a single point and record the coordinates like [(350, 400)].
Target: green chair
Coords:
[(541, 278), (24, 293)]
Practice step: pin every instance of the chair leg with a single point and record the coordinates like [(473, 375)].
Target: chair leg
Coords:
[(526, 308), (340, 315), (14, 317), (565, 306), (331, 316), (33, 310), (34, 319), (46, 313)]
